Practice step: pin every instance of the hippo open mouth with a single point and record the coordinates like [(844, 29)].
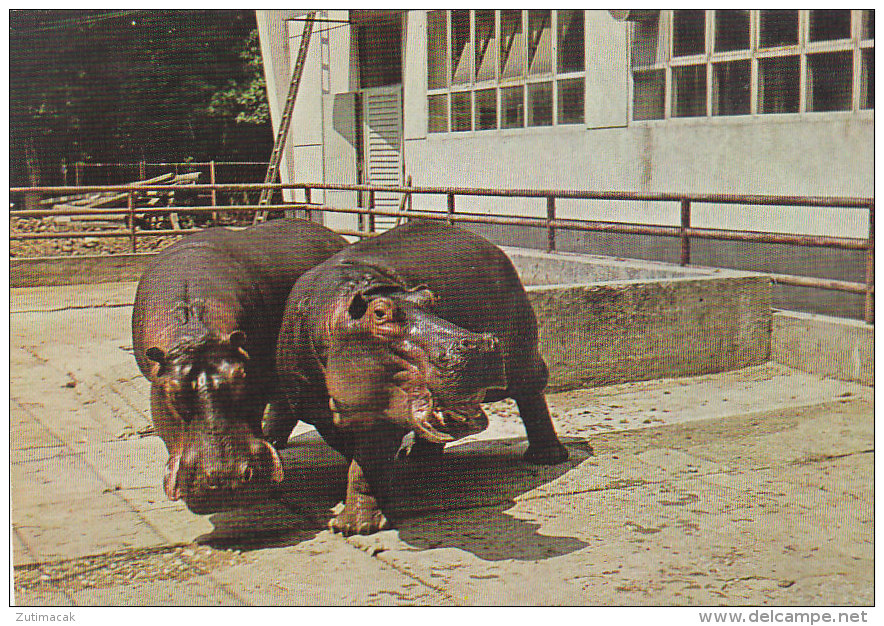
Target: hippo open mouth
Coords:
[(440, 422), (415, 408)]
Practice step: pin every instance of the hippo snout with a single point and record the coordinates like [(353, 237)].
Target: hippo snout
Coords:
[(212, 482), (480, 361), (484, 343)]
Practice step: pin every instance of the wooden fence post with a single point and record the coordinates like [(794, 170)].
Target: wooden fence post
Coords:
[(550, 229), (685, 238), (130, 201), (870, 269), (214, 191)]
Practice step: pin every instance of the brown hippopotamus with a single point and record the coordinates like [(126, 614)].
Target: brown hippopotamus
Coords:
[(204, 328), (408, 332)]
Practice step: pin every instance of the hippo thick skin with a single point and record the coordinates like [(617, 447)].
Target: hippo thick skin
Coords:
[(405, 332), (204, 327)]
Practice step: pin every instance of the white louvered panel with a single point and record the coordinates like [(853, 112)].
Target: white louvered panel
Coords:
[(382, 138)]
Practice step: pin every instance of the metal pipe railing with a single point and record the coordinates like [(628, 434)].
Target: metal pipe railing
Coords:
[(551, 223)]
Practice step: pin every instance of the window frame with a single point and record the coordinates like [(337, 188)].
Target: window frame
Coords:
[(665, 61), (524, 80)]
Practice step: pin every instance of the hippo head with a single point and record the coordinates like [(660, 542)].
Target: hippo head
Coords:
[(213, 423), (389, 357)]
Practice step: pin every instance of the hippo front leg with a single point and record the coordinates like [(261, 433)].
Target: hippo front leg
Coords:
[(279, 423), (544, 447), (368, 482)]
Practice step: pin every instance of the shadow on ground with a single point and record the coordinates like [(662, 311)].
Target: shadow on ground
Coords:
[(458, 503)]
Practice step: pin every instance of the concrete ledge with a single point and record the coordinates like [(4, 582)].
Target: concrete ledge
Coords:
[(826, 346), (609, 333), (77, 270)]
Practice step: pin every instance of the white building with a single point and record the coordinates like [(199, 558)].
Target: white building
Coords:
[(724, 101)]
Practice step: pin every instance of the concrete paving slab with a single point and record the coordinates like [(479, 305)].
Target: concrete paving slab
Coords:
[(746, 487)]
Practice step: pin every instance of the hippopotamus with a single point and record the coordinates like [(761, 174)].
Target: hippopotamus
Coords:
[(408, 333), (204, 327)]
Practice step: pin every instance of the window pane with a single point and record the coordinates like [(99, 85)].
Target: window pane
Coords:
[(486, 45), (867, 95), (779, 28), (461, 111), (438, 114), (512, 44), (731, 30), (540, 104), (645, 43), (829, 80), (539, 42), (778, 85), (688, 32), (486, 109), (831, 24), (570, 41), (571, 101), (649, 95), (437, 50), (689, 91), (461, 56), (868, 30), (512, 114), (730, 88)]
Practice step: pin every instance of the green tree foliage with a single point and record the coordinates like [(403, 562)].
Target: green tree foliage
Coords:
[(245, 100), (123, 86)]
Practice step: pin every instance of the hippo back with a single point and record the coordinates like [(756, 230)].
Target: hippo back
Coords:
[(474, 282), (245, 277)]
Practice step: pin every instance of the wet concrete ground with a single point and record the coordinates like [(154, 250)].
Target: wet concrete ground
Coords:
[(749, 487)]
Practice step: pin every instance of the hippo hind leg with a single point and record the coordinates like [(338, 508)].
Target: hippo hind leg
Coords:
[(544, 447)]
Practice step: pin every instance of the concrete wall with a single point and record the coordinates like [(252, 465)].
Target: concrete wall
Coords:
[(592, 335), (826, 346)]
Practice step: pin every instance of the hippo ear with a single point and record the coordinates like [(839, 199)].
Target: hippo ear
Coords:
[(156, 355), (421, 296), (358, 306), (237, 339), (159, 357)]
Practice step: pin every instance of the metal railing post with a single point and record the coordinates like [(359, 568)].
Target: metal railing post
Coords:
[(130, 202), (370, 209), (214, 191), (870, 269), (450, 216), (308, 213), (685, 238), (550, 229)]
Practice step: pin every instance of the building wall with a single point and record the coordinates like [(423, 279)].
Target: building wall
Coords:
[(819, 154), (816, 154)]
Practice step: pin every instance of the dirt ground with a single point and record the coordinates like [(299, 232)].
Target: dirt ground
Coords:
[(77, 246), (752, 487)]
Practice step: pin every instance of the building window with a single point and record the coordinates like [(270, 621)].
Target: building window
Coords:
[(710, 63), (501, 69)]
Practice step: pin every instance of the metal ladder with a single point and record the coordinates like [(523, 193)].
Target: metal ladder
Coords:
[(286, 120)]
